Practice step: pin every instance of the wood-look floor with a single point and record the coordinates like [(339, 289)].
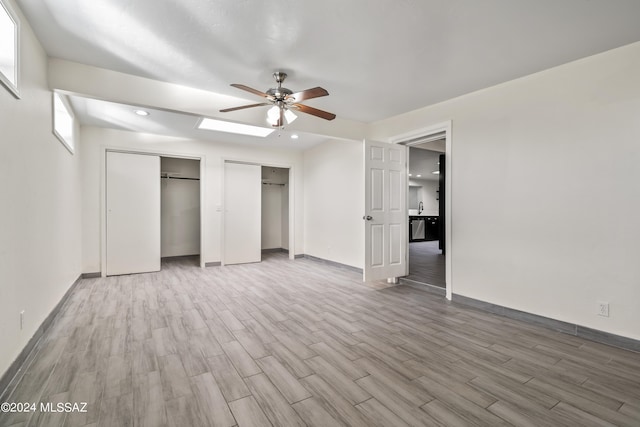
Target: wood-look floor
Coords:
[(294, 343), (426, 263)]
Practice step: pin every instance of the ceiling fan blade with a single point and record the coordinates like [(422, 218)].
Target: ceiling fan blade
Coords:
[(226, 110), (315, 112), (250, 89), (315, 92)]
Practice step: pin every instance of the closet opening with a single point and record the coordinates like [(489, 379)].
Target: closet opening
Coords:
[(180, 210), (275, 210), (258, 220), (152, 211)]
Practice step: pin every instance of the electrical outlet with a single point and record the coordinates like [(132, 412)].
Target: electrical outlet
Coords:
[(21, 319), (603, 309)]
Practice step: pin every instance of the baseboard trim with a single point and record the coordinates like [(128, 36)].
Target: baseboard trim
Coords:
[(298, 256), (172, 257), (271, 250), (332, 263), (213, 264), (607, 338), (91, 275), (556, 325), (15, 370)]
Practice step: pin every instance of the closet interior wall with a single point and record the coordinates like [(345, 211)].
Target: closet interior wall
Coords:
[(275, 208), (180, 207)]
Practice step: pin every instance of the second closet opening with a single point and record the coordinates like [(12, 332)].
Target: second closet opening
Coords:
[(275, 209), (180, 208)]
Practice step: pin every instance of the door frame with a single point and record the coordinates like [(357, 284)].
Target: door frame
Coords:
[(103, 196), (421, 134), (292, 239)]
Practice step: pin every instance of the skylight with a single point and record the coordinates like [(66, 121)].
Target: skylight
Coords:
[(230, 127)]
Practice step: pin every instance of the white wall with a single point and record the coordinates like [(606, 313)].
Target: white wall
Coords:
[(545, 190), (180, 207), (40, 240), (214, 154), (334, 202)]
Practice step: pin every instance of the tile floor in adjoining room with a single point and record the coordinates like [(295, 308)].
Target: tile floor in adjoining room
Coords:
[(426, 263)]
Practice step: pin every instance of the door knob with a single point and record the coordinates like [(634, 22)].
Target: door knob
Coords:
[(367, 217)]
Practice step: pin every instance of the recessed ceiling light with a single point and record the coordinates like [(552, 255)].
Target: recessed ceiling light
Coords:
[(436, 172), (418, 176), (410, 175), (294, 136), (222, 126), (141, 112)]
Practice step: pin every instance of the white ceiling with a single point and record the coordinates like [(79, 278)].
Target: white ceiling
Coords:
[(93, 112), (377, 58)]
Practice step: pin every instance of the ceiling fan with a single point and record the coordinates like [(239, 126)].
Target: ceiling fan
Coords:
[(284, 100)]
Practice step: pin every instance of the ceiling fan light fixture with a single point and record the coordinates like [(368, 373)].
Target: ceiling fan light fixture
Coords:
[(273, 115), (289, 116)]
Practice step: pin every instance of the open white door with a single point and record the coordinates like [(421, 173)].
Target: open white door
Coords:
[(133, 213), (385, 214), (242, 213)]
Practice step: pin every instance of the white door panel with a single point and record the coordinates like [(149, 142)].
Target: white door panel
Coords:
[(385, 210), (133, 213), (242, 213)]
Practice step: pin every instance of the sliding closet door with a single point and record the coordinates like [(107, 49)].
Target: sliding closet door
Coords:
[(133, 213), (242, 213)]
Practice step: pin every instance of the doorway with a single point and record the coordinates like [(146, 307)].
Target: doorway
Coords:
[(435, 138), (426, 255)]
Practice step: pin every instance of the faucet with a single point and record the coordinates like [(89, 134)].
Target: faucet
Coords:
[(420, 208)]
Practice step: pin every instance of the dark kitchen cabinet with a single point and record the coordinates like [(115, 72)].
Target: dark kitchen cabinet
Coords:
[(423, 228), (432, 227)]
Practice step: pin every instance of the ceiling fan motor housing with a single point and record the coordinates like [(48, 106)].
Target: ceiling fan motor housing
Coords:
[(279, 93)]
